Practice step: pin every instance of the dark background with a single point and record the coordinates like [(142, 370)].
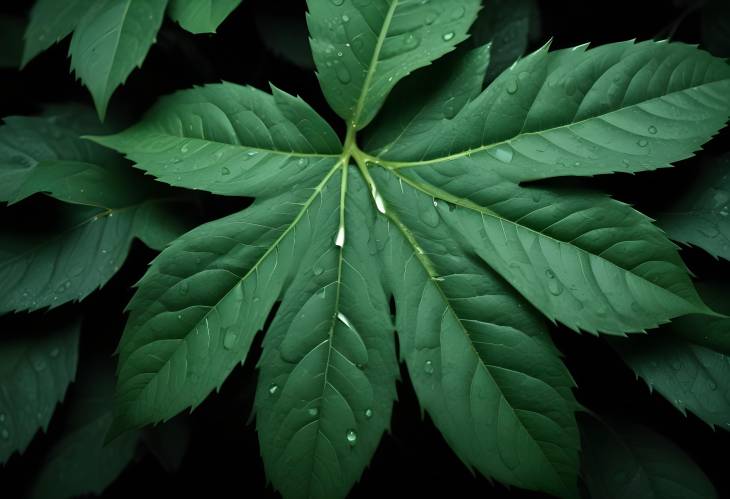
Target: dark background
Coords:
[(413, 460)]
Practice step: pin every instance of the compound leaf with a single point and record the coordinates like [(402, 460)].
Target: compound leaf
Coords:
[(627, 460), (201, 16), (36, 368), (110, 40), (362, 49)]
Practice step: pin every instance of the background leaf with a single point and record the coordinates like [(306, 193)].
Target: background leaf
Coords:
[(11, 41), (80, 463), (110, 40), (626, 460), (50, 22), (201, 16), (688, 361), (36, 368), (699, 216)]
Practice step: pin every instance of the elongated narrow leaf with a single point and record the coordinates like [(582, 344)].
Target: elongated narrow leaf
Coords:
[(481, 362), (79, 463), (36, 367), (230, 139), (110, 40), (328, 370), (51, 21), (701, 216), (508, 25), (622, 107), (626, 460), (201, 16), (688, 361), (362, 49)]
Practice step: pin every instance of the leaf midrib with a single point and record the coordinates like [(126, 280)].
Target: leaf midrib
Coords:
[(396, 164), (437, 193), (360, 104)]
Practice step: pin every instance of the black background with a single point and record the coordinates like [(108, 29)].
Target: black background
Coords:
[(413, 460)]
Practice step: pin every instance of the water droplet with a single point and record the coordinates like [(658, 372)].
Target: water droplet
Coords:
[(458, 13), (338, 2), (345, 18), (430, 18), (555, 287), (411, 41), (643, 143), (448, 36), (5, 434), (340, 239), (503, 154), (179, 317), (512, 86), (39, 364), (251, 154), (54, 352), (428, 367), (185, 148), (435, 203), (313, 411), (351, 437), (652, 129), (229, 340), (317, 270), (183, 288), (225, 171), (2, 417), (712, 385), (273, 389), (302, 162)]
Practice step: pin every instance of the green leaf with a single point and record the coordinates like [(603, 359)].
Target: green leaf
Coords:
[(627, 460), (36, 367), (38, 146), (362, 49), (80, 463), (11, 41), (435, 216), (201, 16), (50, 22), (110, 40), (481, 361), (71, 250), (328, 369), (508, 25), (230, 140), (168, 442), (700, 215), (688, 361)]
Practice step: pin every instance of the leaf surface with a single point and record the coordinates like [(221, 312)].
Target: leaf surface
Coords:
[(80, 463), (627, 460), (362, 49), (50, 22), (700, 216), (201, 16), (688, 361), (110, 40), (36, 368)]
